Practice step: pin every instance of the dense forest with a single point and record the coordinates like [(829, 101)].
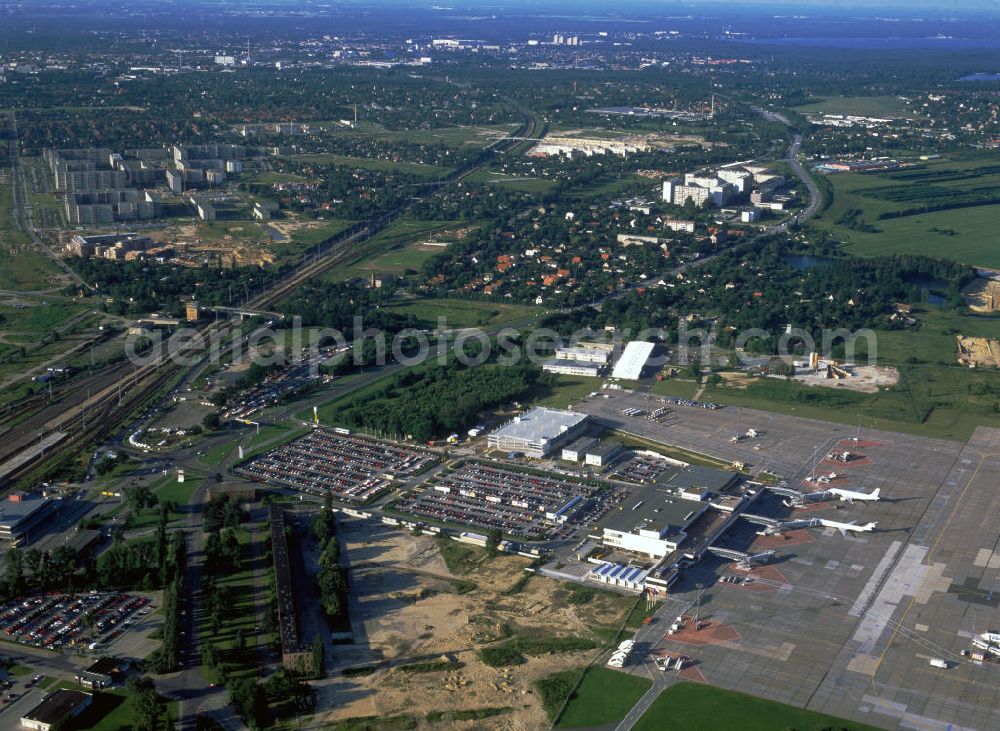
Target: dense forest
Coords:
[(139, 287), (438, 401)]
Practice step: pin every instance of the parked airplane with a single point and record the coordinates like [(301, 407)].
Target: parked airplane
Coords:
[(852, 495), (845, 527)]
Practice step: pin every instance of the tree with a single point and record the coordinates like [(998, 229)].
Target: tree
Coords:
[(139, 498), (147, 706), (318, 656), (210, 421), (33, 559), (14, 575), (493, 538)]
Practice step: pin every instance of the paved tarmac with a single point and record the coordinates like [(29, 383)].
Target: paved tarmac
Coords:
[(847, 625)]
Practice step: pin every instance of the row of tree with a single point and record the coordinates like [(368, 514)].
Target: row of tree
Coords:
[(438, 401)]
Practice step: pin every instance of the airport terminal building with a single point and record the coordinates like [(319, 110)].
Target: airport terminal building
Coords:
[(656, 523)]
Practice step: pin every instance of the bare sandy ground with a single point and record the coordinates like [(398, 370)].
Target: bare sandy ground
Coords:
[(407, 610)]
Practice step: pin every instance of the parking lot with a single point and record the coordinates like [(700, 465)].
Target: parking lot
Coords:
[(354, 469), (91, 622), (489, 496), (641, 469)]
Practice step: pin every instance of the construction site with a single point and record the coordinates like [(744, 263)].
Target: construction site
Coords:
[(422, 612), (978, 352)]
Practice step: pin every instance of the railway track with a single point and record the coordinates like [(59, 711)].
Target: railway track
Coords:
[(92, 417)]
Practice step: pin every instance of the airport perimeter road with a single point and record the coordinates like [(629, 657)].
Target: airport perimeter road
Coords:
[(805, 177), (793, 161)]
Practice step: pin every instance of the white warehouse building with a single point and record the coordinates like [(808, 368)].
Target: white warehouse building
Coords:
[(538, 432), (633, 360)]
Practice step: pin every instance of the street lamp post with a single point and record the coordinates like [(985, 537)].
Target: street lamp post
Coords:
[(697, 607)]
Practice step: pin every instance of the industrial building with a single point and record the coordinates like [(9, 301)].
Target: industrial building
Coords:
[(588, 353), (633, 360), (602, 455), (588, 369), (613, 574), (538, 432), (295, 655), (576, 450), (20, 514), (56, 709)]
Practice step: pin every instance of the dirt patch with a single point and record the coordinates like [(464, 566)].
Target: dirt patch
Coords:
[(863, 379), (409, 608), (983, 295), (692, 674), (978, 352), (735, 379)]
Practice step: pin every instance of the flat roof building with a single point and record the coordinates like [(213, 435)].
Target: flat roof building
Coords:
[(633, 360), (574, 451), (538, 432), (56, 708), (601, 455), (20, 514), (295, 655), (589, 353), (653, 523), (566, 367)]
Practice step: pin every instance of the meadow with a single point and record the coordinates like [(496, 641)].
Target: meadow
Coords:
[(878, 214)]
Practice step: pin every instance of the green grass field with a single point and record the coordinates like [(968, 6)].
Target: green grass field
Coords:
[(512, 182), (567, 390), (963, 234), (372, 163), (863, 106), (690, 707), (397, 236), (241, 615), (680, 387), (399, 260), (22, 266), (478, 136), (463, 313), (604, 697), (176, 492), (304, 238), (932, 399), (218, 453)]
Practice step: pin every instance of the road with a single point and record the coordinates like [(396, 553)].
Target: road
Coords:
[(23, 211), (792, 158)]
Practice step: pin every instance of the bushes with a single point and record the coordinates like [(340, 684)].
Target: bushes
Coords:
[(555, 689), (513, 651), (500, 656)]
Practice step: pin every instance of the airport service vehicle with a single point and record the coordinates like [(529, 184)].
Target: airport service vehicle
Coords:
[(939, 663)]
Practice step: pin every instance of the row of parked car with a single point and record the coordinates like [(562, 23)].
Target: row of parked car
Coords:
[(55, 620)]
